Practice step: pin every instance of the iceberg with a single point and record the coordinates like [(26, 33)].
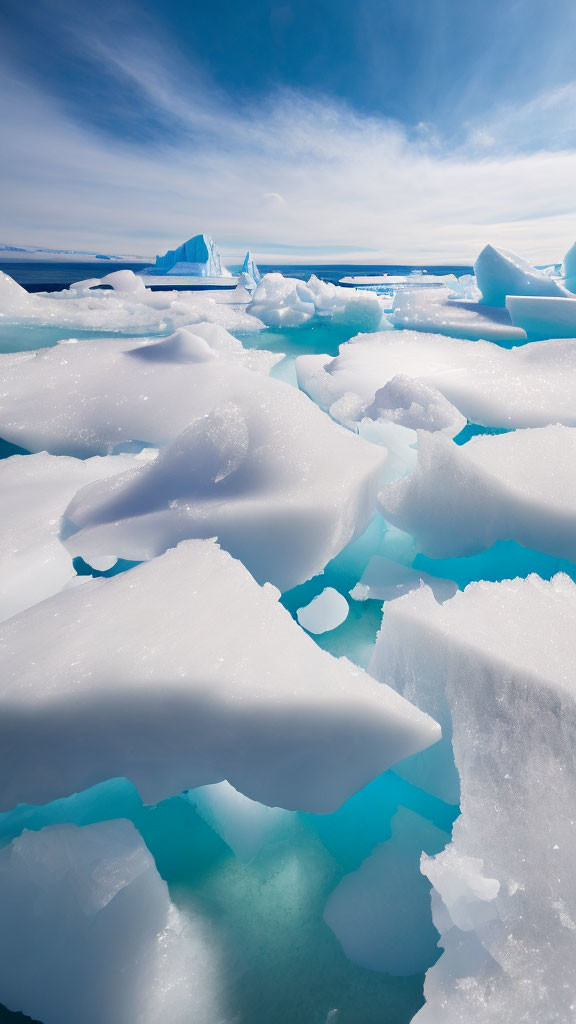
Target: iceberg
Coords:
[(569, 269), (529, 386), (90, 933), (250, 270), (500, 272), (174, 675), (36, 489), (516, 486), (198, 257), (497, 659)]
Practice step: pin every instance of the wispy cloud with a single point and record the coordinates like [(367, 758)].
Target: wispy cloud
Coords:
[(291, 171)]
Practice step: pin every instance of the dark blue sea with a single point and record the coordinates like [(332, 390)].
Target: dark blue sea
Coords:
[(48, 276)]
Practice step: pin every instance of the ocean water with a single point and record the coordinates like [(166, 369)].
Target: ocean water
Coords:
[(53, 276)]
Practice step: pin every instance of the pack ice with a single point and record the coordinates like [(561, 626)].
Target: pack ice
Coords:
[(174, 675), (238, 462), (518, 486), (35, 492), (87, 908), (529, 386), (498, 660)]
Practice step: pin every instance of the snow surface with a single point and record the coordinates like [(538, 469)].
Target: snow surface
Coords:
[(36, 489), (498, 659), (175, 675), (500, 272), (518, 486), (89, 933), (532, 385)]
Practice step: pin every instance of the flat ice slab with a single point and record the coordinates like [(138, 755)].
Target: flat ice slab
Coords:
[(540, 317), (437, 311), (529, 386), (175, 675)]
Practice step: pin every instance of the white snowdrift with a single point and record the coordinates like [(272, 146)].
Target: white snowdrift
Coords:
[(499, 658), (461, 499), (89, 933), (174, 675)]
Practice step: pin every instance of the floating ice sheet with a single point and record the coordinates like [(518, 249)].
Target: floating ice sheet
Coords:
[(529, 386), (461, 499), (175, 675), (440, 311)]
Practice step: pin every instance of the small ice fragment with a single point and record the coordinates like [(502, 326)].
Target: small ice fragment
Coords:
[(326, 611)]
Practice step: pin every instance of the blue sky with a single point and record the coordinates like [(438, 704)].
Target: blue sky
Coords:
[(339, 129)]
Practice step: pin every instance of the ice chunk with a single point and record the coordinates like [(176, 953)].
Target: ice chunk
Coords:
[(13, 297), (499, 657), (381, 912), (243, 471), (516, 486), (174, 675), (126, 282), (437, 310), (89, 933), (326, 611), (87, 398), (569, 269), (36, 489), (285, 301), (500, 272), (245, 825), (529, 386), (383, 580), (543, 317)]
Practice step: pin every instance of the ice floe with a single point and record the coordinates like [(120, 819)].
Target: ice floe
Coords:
[(517, 486), (287, 302), (497, 660), (175, 675), (528, 386), (35, 492), (500, 272), (90, 933), (440, 311)]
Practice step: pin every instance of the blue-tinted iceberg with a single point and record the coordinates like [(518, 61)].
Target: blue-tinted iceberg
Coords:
[(198, 257), (250, 269), (500, 272)]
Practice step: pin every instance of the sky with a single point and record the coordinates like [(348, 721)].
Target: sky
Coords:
[(369, 131)]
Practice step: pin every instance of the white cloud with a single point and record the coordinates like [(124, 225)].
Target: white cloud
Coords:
[(340, 180)]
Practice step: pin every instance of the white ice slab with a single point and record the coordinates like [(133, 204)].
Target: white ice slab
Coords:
[(499, 658), (325, 612), (549, 317), (532, 385), (36, 489), (461, 499), (438, 311), (175, 675), (89, 933)]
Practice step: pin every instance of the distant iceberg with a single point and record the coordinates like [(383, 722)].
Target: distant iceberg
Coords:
[(198, 257), (250, 269)]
